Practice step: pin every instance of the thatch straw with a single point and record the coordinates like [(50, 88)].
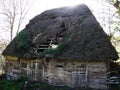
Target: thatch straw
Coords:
[(87, 40)]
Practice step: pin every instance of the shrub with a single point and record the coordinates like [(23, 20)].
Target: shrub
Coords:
[(19, 85), (13, 84)]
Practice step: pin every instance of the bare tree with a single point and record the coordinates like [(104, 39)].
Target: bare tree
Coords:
[(12, 17), (14, 13), (3, 44)]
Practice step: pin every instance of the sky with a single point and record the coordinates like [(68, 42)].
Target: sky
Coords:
[(42, 5), (98, 7)]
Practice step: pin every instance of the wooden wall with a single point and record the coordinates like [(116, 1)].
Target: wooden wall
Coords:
[(72, 73)]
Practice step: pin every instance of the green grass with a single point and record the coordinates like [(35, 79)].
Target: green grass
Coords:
[(19, 85), (32, 85), (12, 84), (45, 86)]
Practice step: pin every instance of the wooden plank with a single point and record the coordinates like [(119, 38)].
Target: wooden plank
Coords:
[(43, 45), (11, 58)]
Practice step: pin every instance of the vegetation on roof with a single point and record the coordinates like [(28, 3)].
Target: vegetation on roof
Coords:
[(55, 51), (58, 50), (22, 40)]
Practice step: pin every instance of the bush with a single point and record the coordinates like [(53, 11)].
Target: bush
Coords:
[(19, 85), (13, 84)]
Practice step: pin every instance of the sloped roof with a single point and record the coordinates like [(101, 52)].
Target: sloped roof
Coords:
[(87, 40)]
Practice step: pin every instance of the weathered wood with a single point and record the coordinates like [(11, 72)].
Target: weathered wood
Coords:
[(11, 58), (72, 73)]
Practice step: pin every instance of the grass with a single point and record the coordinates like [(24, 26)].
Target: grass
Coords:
[(19, 85), (45, 86), (12, 84)]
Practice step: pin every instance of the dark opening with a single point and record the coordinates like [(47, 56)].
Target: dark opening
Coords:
[(59, 66)]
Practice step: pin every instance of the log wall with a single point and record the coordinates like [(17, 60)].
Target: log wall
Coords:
[(55, 72)]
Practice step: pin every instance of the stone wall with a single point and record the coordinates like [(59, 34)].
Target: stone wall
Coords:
[(60, 72)]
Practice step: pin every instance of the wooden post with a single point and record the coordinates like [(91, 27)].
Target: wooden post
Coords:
[(36, 70)]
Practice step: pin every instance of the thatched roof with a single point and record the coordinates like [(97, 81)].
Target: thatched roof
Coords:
[(86, 39)]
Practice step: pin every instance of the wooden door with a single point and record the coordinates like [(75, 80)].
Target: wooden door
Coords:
[(80, 77)]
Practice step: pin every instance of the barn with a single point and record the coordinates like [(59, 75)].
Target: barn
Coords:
[(62, 46)]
